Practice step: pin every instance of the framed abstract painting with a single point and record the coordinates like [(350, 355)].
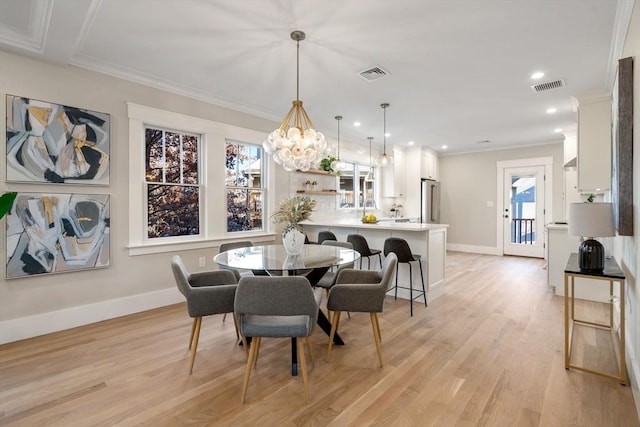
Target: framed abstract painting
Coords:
[(52, 143), (622, 149), (56, 233)]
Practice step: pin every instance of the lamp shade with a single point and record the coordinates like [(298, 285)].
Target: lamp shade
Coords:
[(591, 220)]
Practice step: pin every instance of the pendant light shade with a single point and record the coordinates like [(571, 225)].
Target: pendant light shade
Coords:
[(296, 144), (338, 165), (369, 177), (384, 159)]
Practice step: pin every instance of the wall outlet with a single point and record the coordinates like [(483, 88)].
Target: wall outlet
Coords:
[(202, 261)]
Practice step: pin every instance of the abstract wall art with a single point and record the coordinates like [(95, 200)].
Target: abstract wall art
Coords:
[(52, 143), (55, 233)]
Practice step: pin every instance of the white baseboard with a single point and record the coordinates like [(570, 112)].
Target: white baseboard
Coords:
[(45, 323), (488, 250)]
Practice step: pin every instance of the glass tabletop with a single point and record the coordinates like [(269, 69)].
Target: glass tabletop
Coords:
[(274, 257)]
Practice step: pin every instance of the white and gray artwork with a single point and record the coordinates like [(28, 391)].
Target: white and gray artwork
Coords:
[(54, 233), (51, 143)]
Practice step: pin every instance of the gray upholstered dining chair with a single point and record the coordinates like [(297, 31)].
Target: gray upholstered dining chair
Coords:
[(329, 278), (361, 291), (207, 293), (276, 307)]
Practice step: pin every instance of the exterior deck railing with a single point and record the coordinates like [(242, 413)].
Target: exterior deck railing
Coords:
[(523, 230)]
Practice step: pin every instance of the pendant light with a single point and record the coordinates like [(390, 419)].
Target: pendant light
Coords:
[(384, 159), (296, 144), (369, 177), (338, 165)]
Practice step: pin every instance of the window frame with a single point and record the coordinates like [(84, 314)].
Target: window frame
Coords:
[(262, 189), (357, 188), (212, 150), (200, 185)]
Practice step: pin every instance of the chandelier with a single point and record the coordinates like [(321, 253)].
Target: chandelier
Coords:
[(384, 159), (296, 144)]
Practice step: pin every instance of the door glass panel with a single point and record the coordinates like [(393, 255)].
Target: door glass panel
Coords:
[(523, 209)]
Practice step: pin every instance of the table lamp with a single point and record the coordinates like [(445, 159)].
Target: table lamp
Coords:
[(589, 220)]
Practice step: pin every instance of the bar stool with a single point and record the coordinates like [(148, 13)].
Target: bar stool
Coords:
[(326, 235), (361, 246), (402, 250)]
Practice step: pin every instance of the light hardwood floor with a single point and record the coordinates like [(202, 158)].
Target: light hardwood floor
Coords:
[(488, 352)]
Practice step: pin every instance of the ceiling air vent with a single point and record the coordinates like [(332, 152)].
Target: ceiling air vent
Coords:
[(373, 73), (541, 87)]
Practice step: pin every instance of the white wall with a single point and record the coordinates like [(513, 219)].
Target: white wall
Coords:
[(29, 306), (468, 182), (626, 250)]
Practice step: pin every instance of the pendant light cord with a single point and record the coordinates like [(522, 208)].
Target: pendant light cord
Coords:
[(298, 70), (384, 128)]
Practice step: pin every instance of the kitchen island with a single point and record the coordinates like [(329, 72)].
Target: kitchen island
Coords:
[(428, 240)]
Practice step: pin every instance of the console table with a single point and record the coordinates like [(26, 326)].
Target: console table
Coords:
[(611, 273)]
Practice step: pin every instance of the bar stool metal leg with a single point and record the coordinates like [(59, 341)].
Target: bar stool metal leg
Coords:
[(424, 292)]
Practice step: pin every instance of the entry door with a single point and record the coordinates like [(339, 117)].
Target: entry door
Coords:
[(523, 211)]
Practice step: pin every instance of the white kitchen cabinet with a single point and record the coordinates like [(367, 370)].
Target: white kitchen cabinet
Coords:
[(394, 176), (594, 144), (570, 146), (429, 166)]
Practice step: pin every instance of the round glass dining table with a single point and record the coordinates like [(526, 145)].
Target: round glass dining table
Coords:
[(274, 258), (314, 261)]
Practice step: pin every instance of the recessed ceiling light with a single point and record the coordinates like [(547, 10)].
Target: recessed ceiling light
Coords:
[(387, 134), (551, 110), (537, 75), (410, 143), (356, 124), (557, 130), (444, 147)]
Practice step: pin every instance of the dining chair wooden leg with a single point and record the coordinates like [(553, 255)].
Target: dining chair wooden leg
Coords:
[(334, 327), (378, 327), (224, 317), (193, 329), (194, 344), (245, 345), (247, 373), (255, 361), (303, 368), (235, 325), (311, 355), (376, 336)]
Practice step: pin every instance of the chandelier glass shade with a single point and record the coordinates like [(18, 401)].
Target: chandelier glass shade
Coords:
[(295, 144), (337, 164), (384, 159)]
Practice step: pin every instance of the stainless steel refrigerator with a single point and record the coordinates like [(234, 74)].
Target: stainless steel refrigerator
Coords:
[(430, 201)]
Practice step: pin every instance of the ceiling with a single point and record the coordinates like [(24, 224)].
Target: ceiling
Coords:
[(459, 71)]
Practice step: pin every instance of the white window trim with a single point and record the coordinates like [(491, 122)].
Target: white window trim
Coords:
[(214, 214)]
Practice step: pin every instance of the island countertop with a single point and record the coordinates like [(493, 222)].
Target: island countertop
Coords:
[(427, 240), (382, 225)]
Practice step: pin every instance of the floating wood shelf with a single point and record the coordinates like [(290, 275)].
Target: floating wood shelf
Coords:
[(319, 193), (316, 172)]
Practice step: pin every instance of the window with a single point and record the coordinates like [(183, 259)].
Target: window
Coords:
[(354, 190), (178, 182), (245, 192), (172, 179)]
